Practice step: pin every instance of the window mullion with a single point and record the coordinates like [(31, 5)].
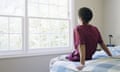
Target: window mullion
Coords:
[(26, 27)]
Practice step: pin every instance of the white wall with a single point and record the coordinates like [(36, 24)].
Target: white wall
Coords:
[(112, 20), (26, 64), (41, 63)]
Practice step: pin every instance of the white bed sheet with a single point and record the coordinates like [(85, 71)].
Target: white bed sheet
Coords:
[(61, 64)]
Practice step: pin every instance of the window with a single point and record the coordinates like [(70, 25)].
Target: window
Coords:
[(34, 24), (11, 19)]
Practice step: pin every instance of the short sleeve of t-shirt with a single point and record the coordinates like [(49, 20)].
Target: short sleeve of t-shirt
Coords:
[(99, 37), (76, 38)]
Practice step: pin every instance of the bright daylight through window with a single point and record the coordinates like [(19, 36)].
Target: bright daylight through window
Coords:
[(45, 24)]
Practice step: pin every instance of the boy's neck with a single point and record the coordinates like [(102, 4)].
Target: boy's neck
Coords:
[(85, 24)]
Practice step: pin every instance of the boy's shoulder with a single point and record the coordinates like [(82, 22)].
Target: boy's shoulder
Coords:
[(93, 26), (76, 26), (80, 27)]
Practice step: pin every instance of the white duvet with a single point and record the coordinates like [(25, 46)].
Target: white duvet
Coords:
[(60, 64)]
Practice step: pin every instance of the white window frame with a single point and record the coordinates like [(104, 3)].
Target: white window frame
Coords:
[(42, 51)]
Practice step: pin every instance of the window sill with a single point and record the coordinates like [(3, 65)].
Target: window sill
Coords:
[(32, 53)]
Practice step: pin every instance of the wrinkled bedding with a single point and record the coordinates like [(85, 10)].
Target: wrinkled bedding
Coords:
[(100, 63)]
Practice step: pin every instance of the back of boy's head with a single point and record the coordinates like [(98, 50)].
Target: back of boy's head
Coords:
[(85, 14)]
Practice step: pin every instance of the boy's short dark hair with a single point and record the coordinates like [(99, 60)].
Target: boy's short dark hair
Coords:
[(85, 14)]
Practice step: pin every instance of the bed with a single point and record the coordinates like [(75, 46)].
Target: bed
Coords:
[(100, 63)]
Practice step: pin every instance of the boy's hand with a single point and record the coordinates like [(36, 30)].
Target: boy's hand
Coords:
[(80, 67)]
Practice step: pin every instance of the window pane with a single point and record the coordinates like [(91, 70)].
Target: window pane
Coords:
[(58, 8), (10, 25), (44, 1), (59, 40), (38, 8), (53, 11), (63, 2), (4, 45), (39, 41), (48, 40), (45, 33), (10, 33), (15, 25), (63, 12), (3, 25), (48, 26), (12, 7), (48, 8), (39, 1), (15, 42)]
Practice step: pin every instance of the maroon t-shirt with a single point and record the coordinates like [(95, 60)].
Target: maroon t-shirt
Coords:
[(88, 35)]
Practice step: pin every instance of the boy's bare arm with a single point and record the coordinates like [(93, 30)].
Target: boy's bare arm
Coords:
[(104, 47), (82, 53)]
